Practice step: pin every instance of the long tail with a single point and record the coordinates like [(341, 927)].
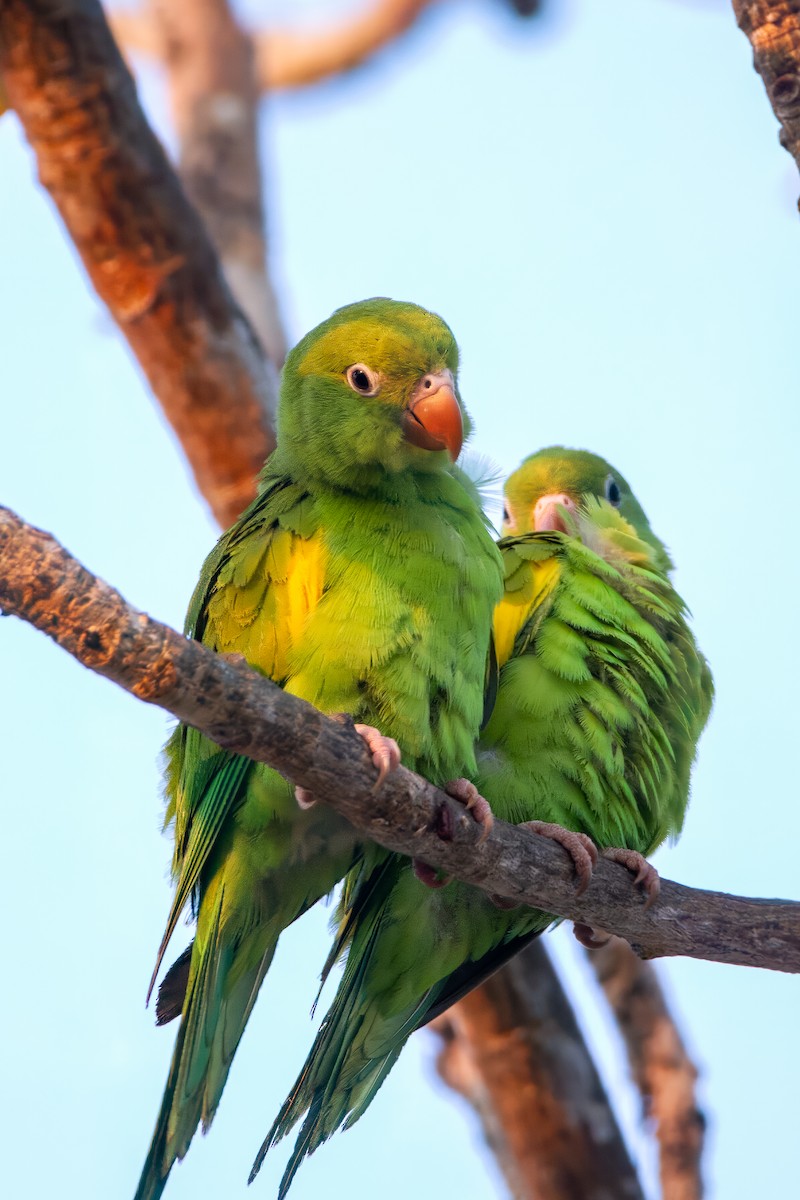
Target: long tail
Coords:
[(219, 998), (353, 1052), (362, 1035)]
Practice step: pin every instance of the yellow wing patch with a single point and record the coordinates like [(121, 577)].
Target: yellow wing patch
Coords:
[(264, 597), (529, 585)]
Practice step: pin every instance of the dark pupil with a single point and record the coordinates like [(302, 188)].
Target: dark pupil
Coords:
[(613, 492), (505, 513), (361, 380)]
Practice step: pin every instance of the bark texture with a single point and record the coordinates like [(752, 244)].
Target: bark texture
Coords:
[(215, 97), (773, 28), (660, 1065), (143, 245), (513, 1048), (244, 712)]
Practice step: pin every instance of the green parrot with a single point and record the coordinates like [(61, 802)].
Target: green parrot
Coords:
[(347, 581), (601, 697)]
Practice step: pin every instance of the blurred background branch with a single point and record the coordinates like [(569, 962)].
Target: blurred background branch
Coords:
[(141, 241), (286, 58), (660, 1065), (211, 72), (513, 1048)]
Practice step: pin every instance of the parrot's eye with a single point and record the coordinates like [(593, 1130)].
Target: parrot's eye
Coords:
[(362, 379), (613, 494), (506, 514)]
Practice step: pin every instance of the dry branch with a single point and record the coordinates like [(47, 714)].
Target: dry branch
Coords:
[(244, 712), (514, 1049), (141, 241), (660, 1064), (215, 96), (773, 27), (288, 58)]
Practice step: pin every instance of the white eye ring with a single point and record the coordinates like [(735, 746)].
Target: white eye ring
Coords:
[(612, 493), (363, 380)]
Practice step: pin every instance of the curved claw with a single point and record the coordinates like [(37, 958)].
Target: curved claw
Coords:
[(578, 846), (592, 939), (468, 795), (385, 755), (645, 873), (384, 750)]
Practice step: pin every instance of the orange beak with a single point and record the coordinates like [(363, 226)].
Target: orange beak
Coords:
[(432, 419), (546, 514)]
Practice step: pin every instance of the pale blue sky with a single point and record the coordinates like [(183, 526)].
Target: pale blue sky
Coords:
[(599, 207)]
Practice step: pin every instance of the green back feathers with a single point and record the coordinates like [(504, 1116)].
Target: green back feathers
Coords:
[(603, 692), (602, 695)]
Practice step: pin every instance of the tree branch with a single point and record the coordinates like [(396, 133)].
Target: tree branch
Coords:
[(215, 95), (141, 241), (289, 60), (773, 27), (293, 59), (660, 1064), (248, 714), (514, 1049)]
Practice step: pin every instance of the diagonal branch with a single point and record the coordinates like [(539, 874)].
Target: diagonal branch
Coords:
[(773, 27), (514, 1049), (661, 1067), (248, 714), (143, 245)]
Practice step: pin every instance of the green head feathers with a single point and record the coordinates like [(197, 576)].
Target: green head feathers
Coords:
[(561, 481), (372, 391)]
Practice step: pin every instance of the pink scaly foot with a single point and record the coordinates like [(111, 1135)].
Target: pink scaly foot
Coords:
[(384, 750), (467, 794), (645, 872), (578, 846), (385, 755)]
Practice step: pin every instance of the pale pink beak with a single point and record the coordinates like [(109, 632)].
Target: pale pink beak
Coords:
[(547, 512)]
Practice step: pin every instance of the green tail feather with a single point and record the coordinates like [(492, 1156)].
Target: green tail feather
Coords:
[(214, 1017)]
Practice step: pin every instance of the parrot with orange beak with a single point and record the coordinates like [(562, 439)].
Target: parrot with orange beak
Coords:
[(601, 697), (343, 581)]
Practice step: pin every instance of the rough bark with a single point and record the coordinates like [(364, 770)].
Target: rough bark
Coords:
[(215, 95), (513, 1048), (773, 27), (244, 712), (660, 1065), (143, 245)]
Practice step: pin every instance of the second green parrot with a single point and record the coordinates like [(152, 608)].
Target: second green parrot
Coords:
[(601, 698)]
